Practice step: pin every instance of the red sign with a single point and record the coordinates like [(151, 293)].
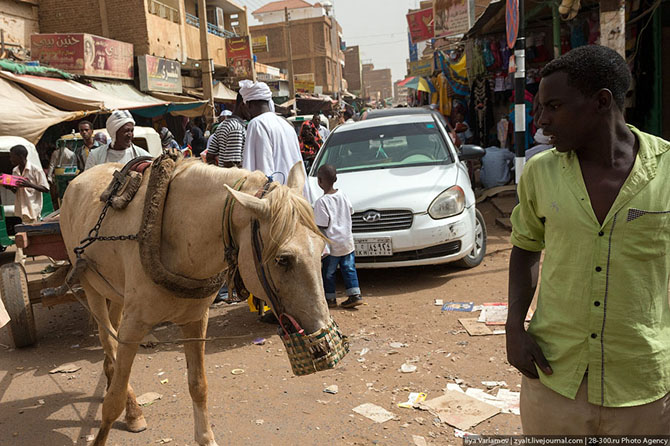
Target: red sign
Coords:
[(238, 56), (421, 25), (84, 54), (512, 22)]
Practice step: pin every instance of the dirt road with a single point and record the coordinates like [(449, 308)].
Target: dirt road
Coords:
[(266, 404)]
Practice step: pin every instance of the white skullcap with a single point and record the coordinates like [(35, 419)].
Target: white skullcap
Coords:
[(256, 91), (116, 120), (226, 113), (540, 137)]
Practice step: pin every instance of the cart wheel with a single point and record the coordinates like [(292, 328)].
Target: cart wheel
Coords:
[(14, 290)]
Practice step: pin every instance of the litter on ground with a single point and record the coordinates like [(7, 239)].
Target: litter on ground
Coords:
[(374, 412)]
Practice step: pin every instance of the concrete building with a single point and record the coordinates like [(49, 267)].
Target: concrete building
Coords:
[(18, 20), (399, 93), (163, 28), (353, 70), (377, 84), (315, 42)]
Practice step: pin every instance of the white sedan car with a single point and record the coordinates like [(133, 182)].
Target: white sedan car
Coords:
[(412, 198)]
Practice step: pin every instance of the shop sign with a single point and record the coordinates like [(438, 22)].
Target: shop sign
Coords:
[(238, 56), (413, 50), (422, 67), (420, 25), (304, 83), (259, 44), (84, 54), (158, 74), (451, 17)]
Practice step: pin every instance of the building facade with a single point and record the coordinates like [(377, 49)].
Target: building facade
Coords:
[(315, 43), (353, 70), (162, 28), (18, 20), (377, 84)]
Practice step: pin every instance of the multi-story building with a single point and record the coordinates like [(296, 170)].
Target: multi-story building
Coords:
[(377, 84), (18, 20), (162, 28), (316, 40), (353, 70)]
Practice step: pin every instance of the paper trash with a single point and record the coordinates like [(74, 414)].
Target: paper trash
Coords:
[(374, 412), (459, 410), (413, 399)]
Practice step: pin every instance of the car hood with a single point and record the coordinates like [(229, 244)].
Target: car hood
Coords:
[(398, 188)]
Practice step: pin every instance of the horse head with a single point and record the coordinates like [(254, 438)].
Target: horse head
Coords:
[(280, 250)]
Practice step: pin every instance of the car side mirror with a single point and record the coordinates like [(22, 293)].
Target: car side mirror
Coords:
[(470, 152)]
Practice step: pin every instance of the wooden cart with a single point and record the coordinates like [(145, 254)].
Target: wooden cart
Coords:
[(18, 294)]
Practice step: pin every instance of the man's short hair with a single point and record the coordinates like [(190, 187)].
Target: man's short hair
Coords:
[(328, 173), (20, 151), (591, 68), (348, 113), (83, 122)]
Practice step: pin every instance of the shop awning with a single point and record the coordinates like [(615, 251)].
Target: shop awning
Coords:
[(220, 93), (154, 106), (22, 114), (71, 95), (421, 84)]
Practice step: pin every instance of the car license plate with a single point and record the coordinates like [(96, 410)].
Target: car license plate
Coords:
[(370, 247)]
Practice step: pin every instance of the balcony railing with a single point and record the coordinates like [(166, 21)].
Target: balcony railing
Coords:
[(211, 28), (164, 11)]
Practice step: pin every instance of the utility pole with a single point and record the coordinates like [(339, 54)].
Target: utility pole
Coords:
[(520, 95), (289, 53), (613, 25), (205, 62)]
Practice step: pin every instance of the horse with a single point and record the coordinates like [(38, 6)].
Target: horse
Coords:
[(125, 298)]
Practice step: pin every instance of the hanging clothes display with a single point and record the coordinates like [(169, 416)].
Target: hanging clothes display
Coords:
[(481, 111)]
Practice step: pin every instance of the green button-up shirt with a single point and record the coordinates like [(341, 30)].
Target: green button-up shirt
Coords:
[(603, 298)]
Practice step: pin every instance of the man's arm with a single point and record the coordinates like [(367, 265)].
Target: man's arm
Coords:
[(522, 350)]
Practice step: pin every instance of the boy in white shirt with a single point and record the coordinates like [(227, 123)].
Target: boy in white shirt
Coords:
[(332, 213)]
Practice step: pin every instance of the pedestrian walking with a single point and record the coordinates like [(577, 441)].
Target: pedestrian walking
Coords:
[(272, 144), (226, 145), (595, 357), (332, 213), (318, 125)]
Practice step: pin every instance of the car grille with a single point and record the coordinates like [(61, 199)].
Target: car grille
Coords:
[(390, 221), (416, 254)]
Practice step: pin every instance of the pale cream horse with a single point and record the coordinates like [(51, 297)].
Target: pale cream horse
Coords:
[(123, 296)]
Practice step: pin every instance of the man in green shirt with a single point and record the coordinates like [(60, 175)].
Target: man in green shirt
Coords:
[(596, 356)]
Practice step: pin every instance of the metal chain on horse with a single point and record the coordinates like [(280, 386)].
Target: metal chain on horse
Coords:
[(93, 234)]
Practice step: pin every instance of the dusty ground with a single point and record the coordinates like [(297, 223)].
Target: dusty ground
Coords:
[(267, 404)]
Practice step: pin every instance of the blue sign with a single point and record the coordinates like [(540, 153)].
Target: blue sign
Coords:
[(413, 50)]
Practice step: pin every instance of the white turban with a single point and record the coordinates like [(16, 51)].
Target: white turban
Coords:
[(226, 113), (256, 91), (116, 120)]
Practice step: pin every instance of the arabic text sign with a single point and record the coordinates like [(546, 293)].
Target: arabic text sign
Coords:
[(423, 67), (158, 74), (238, 56), (451, 17), (259, 44), (420, 25), (84, 54)]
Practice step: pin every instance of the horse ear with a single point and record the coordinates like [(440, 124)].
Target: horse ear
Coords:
[(296, 178), (259, 207)]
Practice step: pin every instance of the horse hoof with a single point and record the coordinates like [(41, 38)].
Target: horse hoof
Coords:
[(137, 425)]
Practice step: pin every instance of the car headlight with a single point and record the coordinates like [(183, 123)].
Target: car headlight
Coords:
[(448, 203)]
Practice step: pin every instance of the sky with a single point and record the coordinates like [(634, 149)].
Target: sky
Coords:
[(378, 27)]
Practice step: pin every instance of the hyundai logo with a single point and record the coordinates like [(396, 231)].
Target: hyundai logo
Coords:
[(372, 217)]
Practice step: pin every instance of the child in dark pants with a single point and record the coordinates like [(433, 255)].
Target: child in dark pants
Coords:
[(333, 216)]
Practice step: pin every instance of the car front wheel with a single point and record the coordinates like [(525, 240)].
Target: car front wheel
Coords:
[(475, 257)]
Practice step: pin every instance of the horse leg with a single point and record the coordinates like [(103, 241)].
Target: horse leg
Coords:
[(131, 334), (197, 381)]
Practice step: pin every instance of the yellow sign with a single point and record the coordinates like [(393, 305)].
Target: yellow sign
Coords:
[(259, 44), (422, 67)]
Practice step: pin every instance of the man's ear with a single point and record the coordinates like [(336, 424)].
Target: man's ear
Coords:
[(605, 100)]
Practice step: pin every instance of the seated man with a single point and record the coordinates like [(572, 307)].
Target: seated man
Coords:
[(496, 167), (120, 126)]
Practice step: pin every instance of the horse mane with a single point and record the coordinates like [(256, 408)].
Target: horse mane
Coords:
[(287, 208)]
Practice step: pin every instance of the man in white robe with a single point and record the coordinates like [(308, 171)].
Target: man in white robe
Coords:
[(272, 143)]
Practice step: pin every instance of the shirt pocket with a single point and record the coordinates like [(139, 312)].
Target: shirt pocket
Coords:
[(646, 233)]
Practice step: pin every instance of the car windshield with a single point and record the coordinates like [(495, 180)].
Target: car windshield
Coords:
[(385, 147)]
